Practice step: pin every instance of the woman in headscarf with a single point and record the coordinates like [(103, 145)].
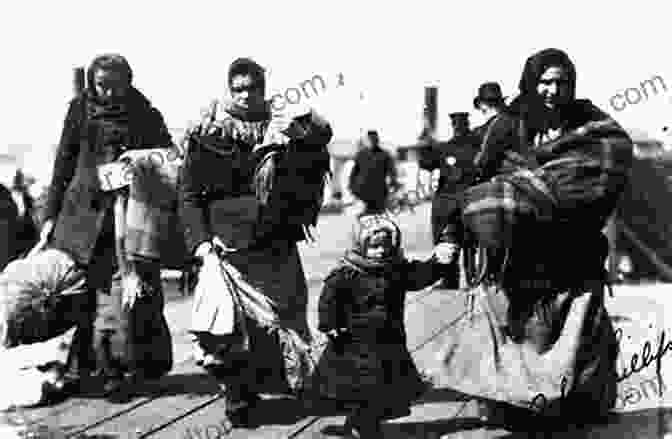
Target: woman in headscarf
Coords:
[(109, 117), (545, 341), (252, 182)]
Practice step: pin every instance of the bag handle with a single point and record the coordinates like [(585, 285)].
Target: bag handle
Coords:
[(41, 245)]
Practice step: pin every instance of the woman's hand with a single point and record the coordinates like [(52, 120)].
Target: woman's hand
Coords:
[(131, 290), (446, 252), (220, 247), (204, 249)]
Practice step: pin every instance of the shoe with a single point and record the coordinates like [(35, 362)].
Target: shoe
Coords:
[(449, 284), (356, 427), (239, 408)]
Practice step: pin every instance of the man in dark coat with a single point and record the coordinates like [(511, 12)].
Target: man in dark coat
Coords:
[(374, 172), (108, 118), (454, 159), (490, 102)]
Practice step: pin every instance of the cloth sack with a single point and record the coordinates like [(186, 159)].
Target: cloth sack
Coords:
[(40, 296)]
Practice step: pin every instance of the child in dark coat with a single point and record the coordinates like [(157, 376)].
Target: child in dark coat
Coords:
[(361, 309)]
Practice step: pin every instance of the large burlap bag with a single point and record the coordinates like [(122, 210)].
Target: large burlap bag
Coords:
[(40, 297)]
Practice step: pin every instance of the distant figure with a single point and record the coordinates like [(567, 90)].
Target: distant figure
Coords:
[(454, 159), (27, 233), (490, 102), (373, 174), (8, 225), (502, 151)]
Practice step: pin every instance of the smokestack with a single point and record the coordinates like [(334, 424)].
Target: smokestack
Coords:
[(78, 82), (430, 111)]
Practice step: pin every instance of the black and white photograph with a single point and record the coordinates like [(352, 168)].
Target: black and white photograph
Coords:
[(359, 220)]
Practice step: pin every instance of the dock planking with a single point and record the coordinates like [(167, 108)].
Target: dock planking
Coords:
[(187, 398)]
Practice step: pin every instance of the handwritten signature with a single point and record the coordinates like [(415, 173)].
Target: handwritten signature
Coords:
[(646, 358), (638, 362)]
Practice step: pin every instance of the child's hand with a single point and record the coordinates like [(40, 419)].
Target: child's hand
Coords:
[(446, 252), (339, 338)]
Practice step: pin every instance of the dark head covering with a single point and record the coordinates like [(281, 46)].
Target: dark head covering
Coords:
[(246, 66), (109, 61), (537, 64), (489, 93), (528, 104), (366, 227), (459, 117)]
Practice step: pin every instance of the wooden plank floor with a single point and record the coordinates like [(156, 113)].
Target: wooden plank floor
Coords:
[(189, 404)]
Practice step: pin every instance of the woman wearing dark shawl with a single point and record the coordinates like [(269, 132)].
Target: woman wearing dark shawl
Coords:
[(253, 181), (544, 339), (108, 118)]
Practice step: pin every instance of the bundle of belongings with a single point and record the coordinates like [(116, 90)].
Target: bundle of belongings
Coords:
[(580, 183), (40, 298), (42, 295), (227, 305), (290, 177)]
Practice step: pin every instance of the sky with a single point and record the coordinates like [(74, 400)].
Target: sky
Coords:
[(375, 57)]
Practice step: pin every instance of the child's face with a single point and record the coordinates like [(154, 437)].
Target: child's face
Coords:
[(379, 245)]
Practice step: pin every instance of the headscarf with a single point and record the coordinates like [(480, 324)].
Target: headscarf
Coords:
[(366, 227), (538, 118), (108, 61), (537, 64)]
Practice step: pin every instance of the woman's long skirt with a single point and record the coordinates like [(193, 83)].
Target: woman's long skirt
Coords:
[(278, 359), (111, 340)]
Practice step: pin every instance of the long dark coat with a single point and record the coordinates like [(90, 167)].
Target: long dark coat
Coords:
[(368, 180), (75, 200), (374, 356)]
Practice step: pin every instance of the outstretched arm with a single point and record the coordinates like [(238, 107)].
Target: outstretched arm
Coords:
[(421, 274)]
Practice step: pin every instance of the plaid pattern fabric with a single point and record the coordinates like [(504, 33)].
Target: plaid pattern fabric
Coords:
[(588, 172)]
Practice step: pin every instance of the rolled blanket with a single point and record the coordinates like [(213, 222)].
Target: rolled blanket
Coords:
[(581, 177), (152, 226)]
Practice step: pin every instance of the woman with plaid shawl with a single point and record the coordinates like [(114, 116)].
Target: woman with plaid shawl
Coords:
[(538, 336)]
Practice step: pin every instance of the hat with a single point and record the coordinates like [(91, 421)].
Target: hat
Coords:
[(368, 226), (489, 92), (459, 116)]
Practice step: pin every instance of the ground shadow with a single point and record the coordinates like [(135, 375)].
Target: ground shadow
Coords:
[(642, 424), (419, 430), (189, 384), (442, 394)]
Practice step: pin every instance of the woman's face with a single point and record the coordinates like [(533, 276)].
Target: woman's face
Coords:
[(246, 93), (554, 87), (110, 85)]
